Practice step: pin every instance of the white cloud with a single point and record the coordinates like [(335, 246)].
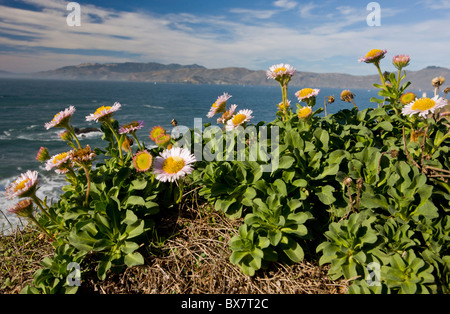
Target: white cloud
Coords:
[(285, 4), (212, 41), (437, 4), (258, 14), (306, 9)]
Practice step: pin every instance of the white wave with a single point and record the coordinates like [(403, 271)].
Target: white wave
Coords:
[(154, 107), (50, 186), (5, 136), (90, 135)]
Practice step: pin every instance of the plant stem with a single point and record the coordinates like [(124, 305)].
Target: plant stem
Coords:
[(377, 64), (74, 135), (137, 141), (398, 79), (284, 93), (39, 204), (117, 139), (88, 189), (41, 227)]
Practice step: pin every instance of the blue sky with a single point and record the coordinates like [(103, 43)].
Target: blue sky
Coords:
[(313, 36)]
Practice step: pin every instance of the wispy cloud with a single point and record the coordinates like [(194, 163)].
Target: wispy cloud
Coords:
[(258, 14), (437, 4), (285, 4), (40, 39), (305, 11)]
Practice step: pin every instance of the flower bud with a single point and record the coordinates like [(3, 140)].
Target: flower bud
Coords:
[(43, 155)]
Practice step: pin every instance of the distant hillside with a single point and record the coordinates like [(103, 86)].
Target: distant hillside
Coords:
[(196, 74)]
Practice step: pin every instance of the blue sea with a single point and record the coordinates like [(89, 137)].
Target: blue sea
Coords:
[(27, 104)]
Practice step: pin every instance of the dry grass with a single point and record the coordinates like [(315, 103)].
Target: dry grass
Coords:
[(20, 255), (195, 260)]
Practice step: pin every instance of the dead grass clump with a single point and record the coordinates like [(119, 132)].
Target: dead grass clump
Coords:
[(196, 261), (20, 255), (193, 259)]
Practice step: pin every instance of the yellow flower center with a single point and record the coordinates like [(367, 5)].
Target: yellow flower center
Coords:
[(373, 53), (423, 104), (21, 185), (173, 164), (280, 70), (304, 112), (238, 119), (99, 110), (306, 91), (59, 158), (407, 98), (143, 161), (220, 106), (157, 132)]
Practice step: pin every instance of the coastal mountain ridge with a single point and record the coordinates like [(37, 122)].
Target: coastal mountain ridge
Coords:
[(196, 74)]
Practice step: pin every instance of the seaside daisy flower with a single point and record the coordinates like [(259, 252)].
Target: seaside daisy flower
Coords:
[(330, 99), (104, 113), (131, 127), (24, 186), (82, 156), (219, 106), (306, 93), (347, 96), (43, 154), (373, 56), (282, 107), (65, 136), (438, 81), (127, 143), (57, 161), (173, 164), (401, 61), (407, 98), (142, 161), (424, 106), (242, 117), (227, 115), (156, 132), (280, 72), (446, 91), (163, 139), (61, 119), (23, 208), (304, 112)]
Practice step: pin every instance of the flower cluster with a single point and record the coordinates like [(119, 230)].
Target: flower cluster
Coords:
[(307, 95), (104, 113), (229, 118), (159, 135), (281, 73), (24, 186), (424, 106), (173, 164), (131, 127), (219, 105), (373, 56), (401, 61)]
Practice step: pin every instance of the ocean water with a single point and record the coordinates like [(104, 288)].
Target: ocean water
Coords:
[(27, 104)]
